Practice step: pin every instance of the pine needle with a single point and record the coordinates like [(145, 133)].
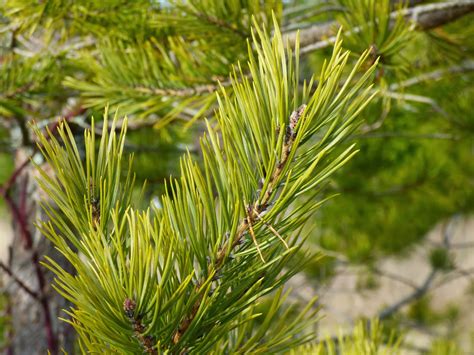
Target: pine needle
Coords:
[(273, 230), (252, 234)]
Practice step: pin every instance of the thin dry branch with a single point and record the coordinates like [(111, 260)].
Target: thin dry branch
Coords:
[(465, 66), (182, 92), (427, 285), (395, 277), (416, 294)]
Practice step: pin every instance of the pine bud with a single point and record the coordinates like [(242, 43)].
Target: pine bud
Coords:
[(129, 307)]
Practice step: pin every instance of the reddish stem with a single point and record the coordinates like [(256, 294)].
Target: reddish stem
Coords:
[(20, 283), (19, 214), (11, 180)]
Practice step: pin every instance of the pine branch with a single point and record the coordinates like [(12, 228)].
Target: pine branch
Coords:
[(434, 15), (259, 157), (184, 92), (254, 210), (425, 17), (221, 24)]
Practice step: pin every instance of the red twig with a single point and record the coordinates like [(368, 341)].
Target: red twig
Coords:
[(20, 283), (19, 213), (11, 180), (18, 218)]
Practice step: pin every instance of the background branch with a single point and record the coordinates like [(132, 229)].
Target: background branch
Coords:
[(425, 17)]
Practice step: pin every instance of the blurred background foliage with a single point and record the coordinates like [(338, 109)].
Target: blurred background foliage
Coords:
[(411, 173), (159, 62)]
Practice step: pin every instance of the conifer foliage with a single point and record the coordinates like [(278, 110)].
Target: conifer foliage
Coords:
[(199, 262), (186, 276)]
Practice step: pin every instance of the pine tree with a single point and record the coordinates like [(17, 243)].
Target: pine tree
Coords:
[(202, 267)]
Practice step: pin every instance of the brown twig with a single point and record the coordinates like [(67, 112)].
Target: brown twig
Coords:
[(202, 89), (184, 92), (260, 206), (437, 14), (48, 323)]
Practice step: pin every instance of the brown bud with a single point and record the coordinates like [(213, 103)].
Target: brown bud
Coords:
[(295, 116), (129, 307)]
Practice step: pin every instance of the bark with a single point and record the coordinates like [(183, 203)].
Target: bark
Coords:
[(435, 15), (426, 17)]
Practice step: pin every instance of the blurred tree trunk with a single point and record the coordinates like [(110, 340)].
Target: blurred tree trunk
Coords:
[(34, 315)]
